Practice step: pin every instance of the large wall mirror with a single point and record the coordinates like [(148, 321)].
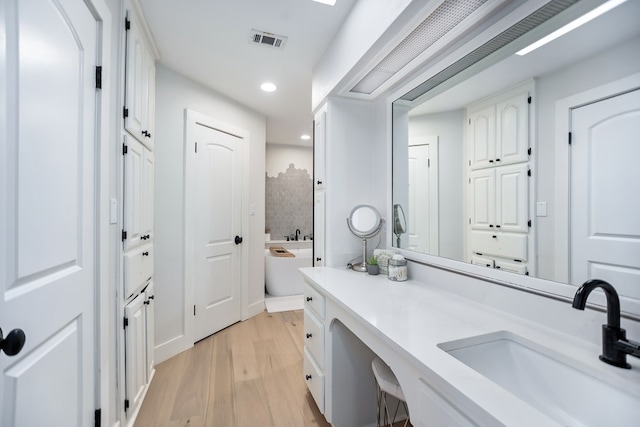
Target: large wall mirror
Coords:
[(486, 173)]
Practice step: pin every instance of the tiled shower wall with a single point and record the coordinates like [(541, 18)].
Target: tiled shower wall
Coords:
[(289, 203)]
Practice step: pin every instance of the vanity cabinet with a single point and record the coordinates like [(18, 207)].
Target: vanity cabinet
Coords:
[(140, 74), (314, 344)]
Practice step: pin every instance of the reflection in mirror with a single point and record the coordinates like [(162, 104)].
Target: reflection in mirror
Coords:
[(511, 191), (365, 222), (399, 223)]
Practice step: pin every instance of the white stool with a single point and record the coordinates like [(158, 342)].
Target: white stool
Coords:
[(387, 385)]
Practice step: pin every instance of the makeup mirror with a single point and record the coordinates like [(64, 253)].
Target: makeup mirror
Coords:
[(364, 222)]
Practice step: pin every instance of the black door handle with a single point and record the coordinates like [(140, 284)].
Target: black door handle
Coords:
[(238, 240), (13, 343)]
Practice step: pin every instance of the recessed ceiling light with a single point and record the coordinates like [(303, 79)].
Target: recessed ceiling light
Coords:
[(305, 137), (572, 25), (329, 2), (268, 87)]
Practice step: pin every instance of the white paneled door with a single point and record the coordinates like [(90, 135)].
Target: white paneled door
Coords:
[(47, 210), (218, 233), (605, 230)]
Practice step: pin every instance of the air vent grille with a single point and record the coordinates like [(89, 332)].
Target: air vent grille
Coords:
[(264, 38), (475, 57), (446, 16)]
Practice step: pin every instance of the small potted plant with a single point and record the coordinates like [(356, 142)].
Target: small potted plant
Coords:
[(372, 266)]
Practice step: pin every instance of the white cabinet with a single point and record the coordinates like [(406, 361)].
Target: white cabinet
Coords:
[(319, 188), (499, 133), (139, 108), (499, 226), (139, 348), (138, 221), (499, 198), (314, 344)]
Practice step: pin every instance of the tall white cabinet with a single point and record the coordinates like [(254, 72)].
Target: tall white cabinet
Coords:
[(319, 186), (499, 232), (137, 177)]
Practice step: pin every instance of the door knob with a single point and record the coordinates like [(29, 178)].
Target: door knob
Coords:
[(13, 343), (238, 240)]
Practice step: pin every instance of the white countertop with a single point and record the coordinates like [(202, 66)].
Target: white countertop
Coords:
[(414, 318)]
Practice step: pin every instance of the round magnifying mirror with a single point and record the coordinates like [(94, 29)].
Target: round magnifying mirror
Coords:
[(364, 221)]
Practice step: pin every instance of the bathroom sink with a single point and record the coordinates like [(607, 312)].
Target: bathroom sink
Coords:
[(546, 380)]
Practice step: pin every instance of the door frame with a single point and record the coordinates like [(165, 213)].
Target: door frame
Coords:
[(563, 159), (104, 376), (193, 119)]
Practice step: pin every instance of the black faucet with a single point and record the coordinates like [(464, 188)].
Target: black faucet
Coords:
[(615, 345), (297, 234)]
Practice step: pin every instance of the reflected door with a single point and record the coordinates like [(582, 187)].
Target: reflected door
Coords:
[(422, 226), (48, 211), (605, 207)]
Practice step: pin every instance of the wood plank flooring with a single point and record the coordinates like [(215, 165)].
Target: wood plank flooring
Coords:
[(249, 374)]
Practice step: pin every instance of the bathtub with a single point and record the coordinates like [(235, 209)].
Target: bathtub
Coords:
[(281, 275)]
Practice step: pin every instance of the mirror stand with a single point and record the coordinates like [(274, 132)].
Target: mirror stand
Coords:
[(364, 222)]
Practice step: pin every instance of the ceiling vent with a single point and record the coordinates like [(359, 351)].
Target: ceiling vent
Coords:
[(442, 20), (268, 39)]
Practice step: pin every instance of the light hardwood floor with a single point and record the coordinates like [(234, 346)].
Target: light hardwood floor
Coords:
[(249, 374)]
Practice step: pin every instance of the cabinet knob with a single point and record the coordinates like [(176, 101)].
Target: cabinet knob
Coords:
[(497, 160), (308, 377), (13, 343), (494, 236), (309, 335), (309, 299), (145, 253), (318, 259), (319, 182)]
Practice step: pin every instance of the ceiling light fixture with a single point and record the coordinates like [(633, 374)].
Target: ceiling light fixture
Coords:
[(268, 87), (305, 137), (329, 2), (572, 26)]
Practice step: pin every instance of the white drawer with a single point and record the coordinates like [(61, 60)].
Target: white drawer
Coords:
[(314, 336), (314, 377), (506, 245), (314, 299), (138, 269)]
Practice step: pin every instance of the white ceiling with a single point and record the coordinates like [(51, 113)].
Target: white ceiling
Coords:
[(208, 41)]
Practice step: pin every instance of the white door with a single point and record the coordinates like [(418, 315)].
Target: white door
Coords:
[(419, 199), (482, 199), (512, 198), (218, 195), (47, 211), (482, 134), (605, 231)]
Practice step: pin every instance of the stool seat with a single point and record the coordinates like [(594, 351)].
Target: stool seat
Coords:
[(387, 381)]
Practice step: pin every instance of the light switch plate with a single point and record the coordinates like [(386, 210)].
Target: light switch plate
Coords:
[(541, 209), (113, 211)]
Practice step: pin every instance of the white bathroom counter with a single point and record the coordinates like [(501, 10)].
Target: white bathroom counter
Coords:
[(403, 323)]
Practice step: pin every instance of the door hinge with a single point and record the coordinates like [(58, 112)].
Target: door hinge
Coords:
[(125, 112), (529, 223), (124, 235), (126, 404), (194, 309), (529, 100), (569, 138), (97, 418), (529, 172), (125, 149), (99, 77), (428, 163), (127, 24), (196, 147), (125, 323), (529, 151)]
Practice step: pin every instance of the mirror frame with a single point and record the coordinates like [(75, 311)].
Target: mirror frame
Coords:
[(543, 287)]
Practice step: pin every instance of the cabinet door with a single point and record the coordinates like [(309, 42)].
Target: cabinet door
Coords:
[(482, 199), (512, 198), (149, 100), (482, 261), (482, 138), (135, 78), (135, 352), (134, 166), (319, 148), (149, 298), (318, 228), (512, 130), (147, 196)]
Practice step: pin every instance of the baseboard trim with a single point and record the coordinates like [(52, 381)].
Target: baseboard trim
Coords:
[(172, 348)]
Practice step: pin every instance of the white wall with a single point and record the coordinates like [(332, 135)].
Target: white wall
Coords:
[(174, 93), (279, 156)]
